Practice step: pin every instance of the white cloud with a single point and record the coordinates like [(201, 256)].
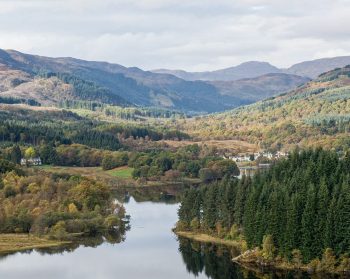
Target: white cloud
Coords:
[(193, 35)]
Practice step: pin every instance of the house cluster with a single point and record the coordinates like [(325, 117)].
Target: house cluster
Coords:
[(31, 162), (254, 156)]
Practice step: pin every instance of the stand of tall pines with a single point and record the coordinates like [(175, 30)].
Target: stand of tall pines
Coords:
[(303, 202)]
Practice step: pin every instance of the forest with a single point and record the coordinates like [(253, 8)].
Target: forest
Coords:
[(298, 211), (59, 206), (190, 161), (23, 126)]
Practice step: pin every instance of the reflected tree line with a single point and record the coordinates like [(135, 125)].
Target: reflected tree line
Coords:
[(215, 262), (112, 237)]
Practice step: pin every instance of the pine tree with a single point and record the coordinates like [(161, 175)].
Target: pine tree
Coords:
[(15, 154), (308, 226), (321, 217)]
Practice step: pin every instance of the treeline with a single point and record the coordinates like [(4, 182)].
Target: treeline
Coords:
[(64, 127), (60, 127), (87, 90), (331, 124), (127, 113), (188, 161), (67, 155), (146, 132), (11, 101), (36, 133), (60, 206), (300, 207)]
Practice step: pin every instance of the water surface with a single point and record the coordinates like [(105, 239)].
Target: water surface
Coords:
[(150, 250)]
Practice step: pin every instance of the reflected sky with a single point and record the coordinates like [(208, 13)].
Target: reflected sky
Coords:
[(149, 251)]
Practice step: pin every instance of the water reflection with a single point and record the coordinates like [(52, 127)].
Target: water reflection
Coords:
[(148, 250), (215, 262), (114, 237)]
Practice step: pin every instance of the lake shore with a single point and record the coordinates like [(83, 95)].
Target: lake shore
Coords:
[(251, 260), (10, 243), (201, 237)]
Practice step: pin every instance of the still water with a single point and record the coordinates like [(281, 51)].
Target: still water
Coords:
[(149, 250)]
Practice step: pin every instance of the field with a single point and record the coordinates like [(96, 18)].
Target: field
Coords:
[(19, 242), (115, 178), (123, 172)]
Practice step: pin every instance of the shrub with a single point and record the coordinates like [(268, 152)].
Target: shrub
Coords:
[(58, 231)]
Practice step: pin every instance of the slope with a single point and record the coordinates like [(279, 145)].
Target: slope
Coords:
[(317, 113)]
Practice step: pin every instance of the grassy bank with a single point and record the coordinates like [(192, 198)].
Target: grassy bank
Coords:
[(201, 237), (10, 243)]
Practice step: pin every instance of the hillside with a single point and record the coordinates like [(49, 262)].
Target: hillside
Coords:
[(103, 82), (51, 81), (261, 87), (317, 113)]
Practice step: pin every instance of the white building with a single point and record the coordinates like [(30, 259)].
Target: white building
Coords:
[(31, 162)]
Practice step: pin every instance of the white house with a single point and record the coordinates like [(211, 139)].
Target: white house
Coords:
[(31, 162)]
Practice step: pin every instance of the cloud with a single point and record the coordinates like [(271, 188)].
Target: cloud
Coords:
[(192, 35)]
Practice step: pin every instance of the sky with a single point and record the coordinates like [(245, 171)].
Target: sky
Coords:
[(194, 35)]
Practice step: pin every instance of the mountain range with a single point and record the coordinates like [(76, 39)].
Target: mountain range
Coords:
[(51, 81), (310, 69)]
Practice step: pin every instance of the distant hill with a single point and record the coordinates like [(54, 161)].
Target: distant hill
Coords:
[(51, 81), (316, 114), (245, 70), (310, 69), (316, 67)]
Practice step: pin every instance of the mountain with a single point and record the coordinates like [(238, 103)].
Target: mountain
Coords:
[(52, 81), (316, 67), (315, 114), (310, 69), (245, 70), (122, 85)]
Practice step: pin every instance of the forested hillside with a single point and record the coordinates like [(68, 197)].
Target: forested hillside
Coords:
[(316, 114), (298, 211), (21, 125)]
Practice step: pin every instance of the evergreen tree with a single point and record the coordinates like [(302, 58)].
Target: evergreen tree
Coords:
[(308, 228), (15, 154)]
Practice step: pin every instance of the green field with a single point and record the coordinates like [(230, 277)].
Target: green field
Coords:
[(92, 172), (121, 172)]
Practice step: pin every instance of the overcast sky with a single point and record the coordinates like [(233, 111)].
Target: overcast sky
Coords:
[(193, 35)]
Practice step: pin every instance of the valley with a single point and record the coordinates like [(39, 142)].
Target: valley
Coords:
[(90, 151)]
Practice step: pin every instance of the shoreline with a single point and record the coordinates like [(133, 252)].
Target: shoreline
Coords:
[(12, 243), (249, 261), (202, 237)]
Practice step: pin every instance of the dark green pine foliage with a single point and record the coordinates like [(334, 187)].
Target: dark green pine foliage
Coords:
[(48, 154), (15, 154), (342, 220), (308, 228), (302, 201), (210, 210)]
